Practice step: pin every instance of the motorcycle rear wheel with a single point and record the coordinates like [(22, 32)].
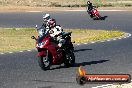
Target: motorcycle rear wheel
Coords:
[(69, 59)]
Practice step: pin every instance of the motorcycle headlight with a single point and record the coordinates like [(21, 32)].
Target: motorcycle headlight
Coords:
[(42, 44)]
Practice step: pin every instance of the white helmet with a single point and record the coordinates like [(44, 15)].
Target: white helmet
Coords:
[(46, 17)]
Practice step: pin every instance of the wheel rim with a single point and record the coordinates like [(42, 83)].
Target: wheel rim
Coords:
[(46, 61), (69, 58)]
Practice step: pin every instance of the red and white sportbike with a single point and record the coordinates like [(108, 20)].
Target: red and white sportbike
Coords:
[(50, 54), (94, 13)]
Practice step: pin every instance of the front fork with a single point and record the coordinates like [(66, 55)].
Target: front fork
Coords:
[(42, 53)]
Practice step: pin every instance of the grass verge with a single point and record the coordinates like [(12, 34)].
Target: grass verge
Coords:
[(16, 39), (65, 3)]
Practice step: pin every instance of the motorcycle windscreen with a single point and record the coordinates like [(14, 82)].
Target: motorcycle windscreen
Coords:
[(41, 32)]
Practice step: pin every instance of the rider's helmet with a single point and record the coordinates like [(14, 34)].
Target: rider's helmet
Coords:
[(52, 23), (88, 2), (46, 17)]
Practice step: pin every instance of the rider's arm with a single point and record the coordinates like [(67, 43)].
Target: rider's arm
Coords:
[(59, 29)]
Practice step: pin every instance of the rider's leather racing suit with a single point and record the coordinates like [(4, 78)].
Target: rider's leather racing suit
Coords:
[(56, 34), (89, 9)]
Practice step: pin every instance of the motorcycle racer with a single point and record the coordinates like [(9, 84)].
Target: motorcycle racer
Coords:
[(55, 32), (46, 19), (89, 8), (48, 51), (49, 44), (45, 28)]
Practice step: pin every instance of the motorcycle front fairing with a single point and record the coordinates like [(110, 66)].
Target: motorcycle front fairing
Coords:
[(95, 12), (46, 45), (41, 51)]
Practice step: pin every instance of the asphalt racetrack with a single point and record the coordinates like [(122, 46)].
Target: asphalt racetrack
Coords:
[(21, 70)]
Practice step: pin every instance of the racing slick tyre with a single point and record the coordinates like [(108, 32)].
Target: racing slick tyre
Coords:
[(44, 62), (69, 59)]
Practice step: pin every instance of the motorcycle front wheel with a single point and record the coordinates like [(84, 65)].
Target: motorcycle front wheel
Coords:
[(44, 62), (97, 17)]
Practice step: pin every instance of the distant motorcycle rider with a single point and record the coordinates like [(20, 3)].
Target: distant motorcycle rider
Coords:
[(90, 8)]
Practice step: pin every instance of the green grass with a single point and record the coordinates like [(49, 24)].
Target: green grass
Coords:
[(64, 3), (16, 39), (84, 35)]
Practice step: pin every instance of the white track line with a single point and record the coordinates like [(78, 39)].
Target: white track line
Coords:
[(119, 38), (98, 10), (105, 86), (126, 35), (108, 40), (29, 50), (114, 10), (114, 39), (85, 43), (2, 53), (102, 41), (34, 11), (21, 51), (10, 52), (79, 11), (93, 42), (78, 44)]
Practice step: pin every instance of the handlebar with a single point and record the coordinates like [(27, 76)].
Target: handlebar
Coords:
[(33, 37)]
